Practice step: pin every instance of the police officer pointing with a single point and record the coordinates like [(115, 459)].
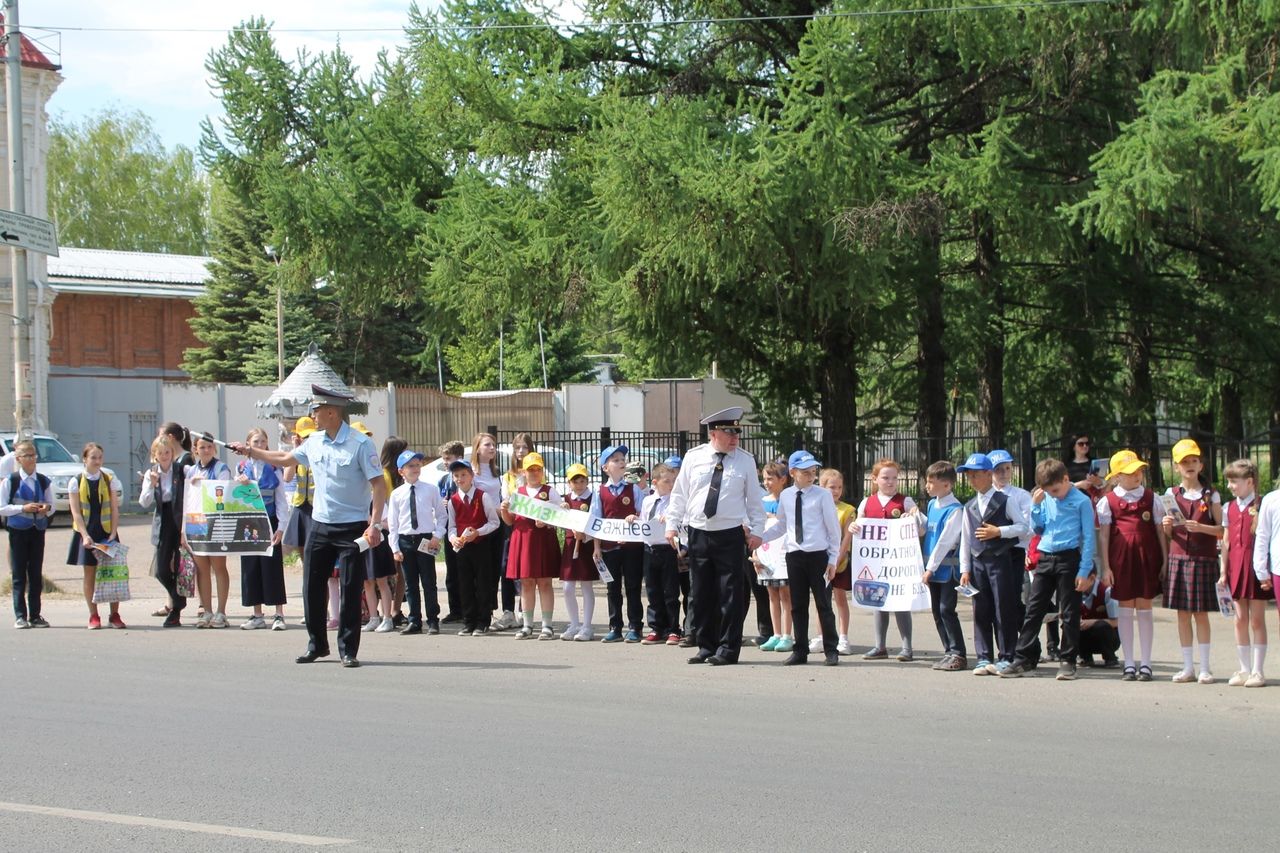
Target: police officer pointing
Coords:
[(716, 494), (348, 476)]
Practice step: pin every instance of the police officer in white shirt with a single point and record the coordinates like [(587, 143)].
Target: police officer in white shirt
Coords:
[(716, 493)]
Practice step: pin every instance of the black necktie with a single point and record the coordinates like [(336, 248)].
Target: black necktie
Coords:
[(653, 510), (799, 516), (413, 508), (713, 493)]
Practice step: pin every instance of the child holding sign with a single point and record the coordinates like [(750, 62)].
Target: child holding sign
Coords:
[(1193, 557), (95, 510), (887, 502), (1240, 520), (208, 466), (262, 578), (577, 568), (619, 499), (808, 513), (533, 557)]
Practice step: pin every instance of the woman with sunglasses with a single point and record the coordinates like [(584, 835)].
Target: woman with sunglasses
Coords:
[(1080, 457)]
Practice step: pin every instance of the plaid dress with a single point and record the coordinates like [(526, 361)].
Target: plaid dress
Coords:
[(1193, 557)]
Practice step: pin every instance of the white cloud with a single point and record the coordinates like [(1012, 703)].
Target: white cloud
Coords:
[(162, 73)]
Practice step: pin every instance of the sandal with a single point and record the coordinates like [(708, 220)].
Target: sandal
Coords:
[(1144, 673), (163, 611), (1130, 674)]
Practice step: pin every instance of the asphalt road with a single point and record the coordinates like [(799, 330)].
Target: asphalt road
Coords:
[(215, 740)]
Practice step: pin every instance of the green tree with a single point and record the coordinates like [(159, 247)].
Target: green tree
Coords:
[(114, 185)]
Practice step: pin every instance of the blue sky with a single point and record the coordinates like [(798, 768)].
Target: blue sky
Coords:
[(162, 73)]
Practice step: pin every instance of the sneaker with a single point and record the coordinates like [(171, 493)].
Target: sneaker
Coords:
[(905, 656), (38, 622), (632, 636), (651, 639), (465, 632), (1066, 671), (614, 636), (843, 647), (954, 664), (876, 653), (1256, 680), (815, 645), (942, 660), (786, 644), (21, 624), (673, 639), (480, 632), (253, 623), (524, 633), (1184, 676), (372, 624), (331, 625), (277, 623), (999, 667), (547, 633), (95, 622), (570, 632), (504, 622), (450, 618), (981, 668), (115, 621), (1012, 670), (1053, 655), (203, 620), (1206, 677), (386, 626), (585, 635), (1238, 679), (219, 621), (771, 643), (432, 628)]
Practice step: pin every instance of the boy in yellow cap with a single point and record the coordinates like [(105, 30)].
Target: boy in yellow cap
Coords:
[(1133, 553)]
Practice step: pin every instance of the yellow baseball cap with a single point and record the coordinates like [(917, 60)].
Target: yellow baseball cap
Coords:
[(1185, 448), (360, 427), (1126, 462), (576, 470), (533, 460), (304, 427)]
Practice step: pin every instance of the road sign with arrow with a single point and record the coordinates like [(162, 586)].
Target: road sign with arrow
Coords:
[(27, 232)]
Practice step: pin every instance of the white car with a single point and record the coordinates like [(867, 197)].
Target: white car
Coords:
[(557, 458), (56, 463)]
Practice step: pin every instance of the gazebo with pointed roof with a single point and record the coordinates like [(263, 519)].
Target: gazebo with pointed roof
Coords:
[(293, 398)]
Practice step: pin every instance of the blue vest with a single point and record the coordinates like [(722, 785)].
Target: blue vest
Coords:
[(937, 520), (20, 493)]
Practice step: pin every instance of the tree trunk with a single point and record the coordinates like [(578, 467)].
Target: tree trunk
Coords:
[(1232, 419), (839, 378), (1141, 400), (991, 354), (931, 358)]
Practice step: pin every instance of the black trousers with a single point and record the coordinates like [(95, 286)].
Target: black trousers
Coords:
[(262, 578), (478, 581), (1100, 638), (997, 606), (662, 583), (169, 557), (764, 616), (942, 599), (452, 588), (419, 573), (626, 564), (26, 562), (1055, 574), (807, 575), (718, 598), (508, 585), (685, 598), (330, 545)]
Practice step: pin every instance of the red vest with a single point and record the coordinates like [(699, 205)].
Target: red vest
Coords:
[(1241, 528), (469, 514), (896, 506), (1185, 544), (1099, 608), (1133, 536), (617, 506)]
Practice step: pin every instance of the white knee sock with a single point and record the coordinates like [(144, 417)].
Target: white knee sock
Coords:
[(1242, 654), (571, 602), (1146, 633), (1124, 627), (1259, 657), (1188, 665), (588, 603), (1204, 658)]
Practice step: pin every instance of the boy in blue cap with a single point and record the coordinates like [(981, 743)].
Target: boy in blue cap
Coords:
[(986, 563), (416, 514), (619, 499)]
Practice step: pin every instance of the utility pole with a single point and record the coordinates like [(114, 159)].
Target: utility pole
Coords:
[(18, 204)]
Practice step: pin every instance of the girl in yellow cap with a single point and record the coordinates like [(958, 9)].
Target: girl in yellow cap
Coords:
[(1193, 557), (533, 557)]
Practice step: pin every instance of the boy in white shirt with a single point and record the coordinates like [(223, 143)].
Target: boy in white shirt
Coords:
[(416, 514)]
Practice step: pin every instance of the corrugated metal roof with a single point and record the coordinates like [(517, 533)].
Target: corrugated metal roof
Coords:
[(148, 267)]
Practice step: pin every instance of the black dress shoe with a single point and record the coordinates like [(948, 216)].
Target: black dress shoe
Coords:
[(718, 660), (310, 657), (699, 659), (350, 663), (450, 619), (796, 659), (832, 660), (411, 629)]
